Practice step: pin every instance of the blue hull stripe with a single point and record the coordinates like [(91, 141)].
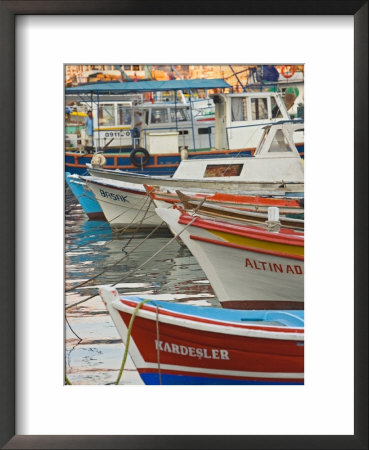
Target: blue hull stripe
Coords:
[(153, 379), (87, 199)]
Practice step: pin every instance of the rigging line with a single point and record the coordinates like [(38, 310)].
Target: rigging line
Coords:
[(110, 267), (125, 211), (128, 338), (71, 329), (162, 248), (158, 346), (140, 223)]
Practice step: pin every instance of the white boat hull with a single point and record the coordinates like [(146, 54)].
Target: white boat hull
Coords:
[(124, 205), (242, 278)]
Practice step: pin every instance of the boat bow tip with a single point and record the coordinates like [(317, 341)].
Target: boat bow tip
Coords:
[(108, 294)]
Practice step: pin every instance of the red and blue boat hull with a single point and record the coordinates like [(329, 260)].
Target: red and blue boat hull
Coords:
[(184, 344)]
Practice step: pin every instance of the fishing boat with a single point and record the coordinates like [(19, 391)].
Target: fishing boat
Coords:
[(275, 169), (121, 195), (233, 214), (248, 266), (292, 207), (153, 145), (84, 196), (124, 205), (177, 344)]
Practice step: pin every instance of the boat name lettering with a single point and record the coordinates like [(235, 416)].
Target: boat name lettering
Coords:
[(274, 267), (109, 134), (116, 197), (191, 351)]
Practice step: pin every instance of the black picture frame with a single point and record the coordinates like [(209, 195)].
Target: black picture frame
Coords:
[(8, 12)]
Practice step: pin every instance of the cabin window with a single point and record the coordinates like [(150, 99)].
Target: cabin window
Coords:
[(127, 67), (280, 143), (136, 68), (181, 132), (159, 115), (223, 170), (259, 108), (276, 112), (206, 130), (106, 116), (239, 109), (146, 112), (179, 113), (124, 115)]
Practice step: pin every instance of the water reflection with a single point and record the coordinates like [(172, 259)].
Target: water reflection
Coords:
[(93, 348)]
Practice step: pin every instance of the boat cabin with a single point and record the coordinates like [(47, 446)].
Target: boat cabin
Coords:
[(276, 159), (239, 118), (130, 124)]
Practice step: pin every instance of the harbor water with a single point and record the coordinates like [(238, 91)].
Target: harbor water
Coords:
[(93, 348)]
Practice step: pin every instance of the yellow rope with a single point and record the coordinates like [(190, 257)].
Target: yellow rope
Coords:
[(128, 339)]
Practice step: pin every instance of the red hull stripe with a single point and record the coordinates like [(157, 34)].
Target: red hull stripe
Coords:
[(288, 237), (250, 249), (242, 203), (210, 321)]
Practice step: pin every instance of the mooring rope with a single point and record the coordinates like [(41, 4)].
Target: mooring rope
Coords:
[(71, 329), (111, 266), (133, 271), (158, 346), (129, 331), (140, 266)]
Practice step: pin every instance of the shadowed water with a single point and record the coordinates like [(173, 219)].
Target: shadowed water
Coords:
[(93, 349)]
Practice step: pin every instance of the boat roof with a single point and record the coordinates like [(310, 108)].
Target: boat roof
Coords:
[(293, 318), (148, 86)]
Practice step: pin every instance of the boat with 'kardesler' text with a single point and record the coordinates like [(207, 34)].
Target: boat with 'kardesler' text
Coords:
[(173, 343)]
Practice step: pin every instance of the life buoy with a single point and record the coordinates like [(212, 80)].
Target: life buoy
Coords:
[(288, 71), (139, 157), (98, 160)]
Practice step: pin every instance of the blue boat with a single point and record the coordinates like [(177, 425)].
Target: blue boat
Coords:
[(84, 196)]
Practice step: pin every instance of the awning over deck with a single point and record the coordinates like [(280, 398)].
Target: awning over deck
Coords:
[(148, 86)]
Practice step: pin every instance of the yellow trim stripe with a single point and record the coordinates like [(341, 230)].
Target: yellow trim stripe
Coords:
[(256, 243), (112, 129)]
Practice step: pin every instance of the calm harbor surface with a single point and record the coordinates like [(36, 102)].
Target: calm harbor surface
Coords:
[(93, 349)]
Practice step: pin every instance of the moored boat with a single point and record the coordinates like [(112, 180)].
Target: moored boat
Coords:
[(124, 205), (154, 146), (183, 344), (84, 196), (248, 266), (275, 169)]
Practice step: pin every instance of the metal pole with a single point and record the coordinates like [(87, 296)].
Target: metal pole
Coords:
[(193, 131), (175, 108), (235, 74), (98, 125)]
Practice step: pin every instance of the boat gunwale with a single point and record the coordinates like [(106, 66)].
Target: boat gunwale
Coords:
[(208, 325)]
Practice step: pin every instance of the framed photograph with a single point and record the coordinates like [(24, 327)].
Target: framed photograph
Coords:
[(40, 41)]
